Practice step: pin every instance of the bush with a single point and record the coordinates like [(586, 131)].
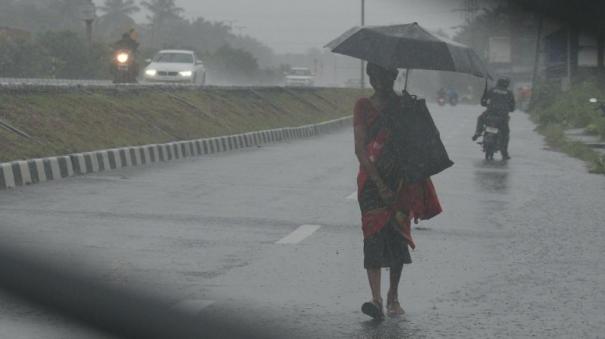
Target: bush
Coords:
[(568, 109), (554, 136), (20, 57), (53, 55)]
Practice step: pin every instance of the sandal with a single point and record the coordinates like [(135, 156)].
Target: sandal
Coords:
[(373, 309), (394, 308)]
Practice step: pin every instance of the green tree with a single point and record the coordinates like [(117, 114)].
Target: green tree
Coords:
[(20, 57), (233, 65), (117, 18), (70, 56), (492, 22), (160, 12)]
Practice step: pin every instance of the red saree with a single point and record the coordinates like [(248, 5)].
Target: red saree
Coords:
[(413, 201)]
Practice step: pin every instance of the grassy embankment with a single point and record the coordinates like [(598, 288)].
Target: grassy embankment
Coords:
[(68, 121), (554, 112)]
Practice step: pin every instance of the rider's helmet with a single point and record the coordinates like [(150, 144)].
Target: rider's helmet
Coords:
[(503, 82)]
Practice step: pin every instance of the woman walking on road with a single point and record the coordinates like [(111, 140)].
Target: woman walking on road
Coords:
[(387, 203)]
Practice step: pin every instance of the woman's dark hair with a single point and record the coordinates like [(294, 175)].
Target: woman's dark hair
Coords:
[(374, 69)]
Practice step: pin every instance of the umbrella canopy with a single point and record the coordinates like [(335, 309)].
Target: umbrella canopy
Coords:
[(408, 46)]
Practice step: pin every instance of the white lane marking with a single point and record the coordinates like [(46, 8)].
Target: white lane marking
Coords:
[(193, 306), (353, 196), (300, 234)]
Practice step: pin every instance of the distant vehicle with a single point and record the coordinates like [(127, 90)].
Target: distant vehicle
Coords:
[(177, 66), (523, 94), (452, 97), (441, 100), (453, 100), (300, 77), (442, 96), (449, 96)]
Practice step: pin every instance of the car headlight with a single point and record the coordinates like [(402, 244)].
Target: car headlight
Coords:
[(122, 57), (186, 73), (151, 72)]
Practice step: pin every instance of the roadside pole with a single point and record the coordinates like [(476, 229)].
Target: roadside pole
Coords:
[(534, 79), (88, 15), (363, 22)]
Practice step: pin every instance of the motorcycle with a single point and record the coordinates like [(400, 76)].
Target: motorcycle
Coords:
[(441, 100), (453, 101), (125, 69), (491, 137)]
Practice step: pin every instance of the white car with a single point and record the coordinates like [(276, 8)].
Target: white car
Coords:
[(175, 66), (300, 77)]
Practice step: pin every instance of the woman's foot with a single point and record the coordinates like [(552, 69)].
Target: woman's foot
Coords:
[(394, 308), (373, 309)]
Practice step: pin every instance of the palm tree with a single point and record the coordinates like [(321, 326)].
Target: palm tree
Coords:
[(116, 18), (159, 12)]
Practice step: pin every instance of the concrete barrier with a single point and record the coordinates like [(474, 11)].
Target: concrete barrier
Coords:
[(33, 171)]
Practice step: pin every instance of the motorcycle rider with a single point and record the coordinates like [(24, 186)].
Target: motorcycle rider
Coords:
[(452, 96), (127, 42), (441, 93), (499, 101)]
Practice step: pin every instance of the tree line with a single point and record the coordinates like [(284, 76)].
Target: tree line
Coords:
[(56, 46)]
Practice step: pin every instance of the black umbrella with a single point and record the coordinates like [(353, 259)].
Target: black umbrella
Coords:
[(418, 146), (408, 46)]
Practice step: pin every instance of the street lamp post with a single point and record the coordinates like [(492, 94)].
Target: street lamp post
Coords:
[(363, 22), (88, 13)]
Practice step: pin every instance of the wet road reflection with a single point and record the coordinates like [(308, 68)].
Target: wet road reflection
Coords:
[(492, 177), (389, 328)]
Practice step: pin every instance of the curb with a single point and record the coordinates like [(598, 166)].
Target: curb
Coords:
[(33, 171)]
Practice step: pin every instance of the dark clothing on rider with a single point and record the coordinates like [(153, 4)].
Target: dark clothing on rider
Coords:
[(452, 94), (126, 43), (499, 101)]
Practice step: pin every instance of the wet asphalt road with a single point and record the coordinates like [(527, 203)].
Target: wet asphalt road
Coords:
[(517, 253)]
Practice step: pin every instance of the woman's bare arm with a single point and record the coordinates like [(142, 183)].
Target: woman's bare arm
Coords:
[(362, 155)]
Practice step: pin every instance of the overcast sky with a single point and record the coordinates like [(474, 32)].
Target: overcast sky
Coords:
[(297, 25)]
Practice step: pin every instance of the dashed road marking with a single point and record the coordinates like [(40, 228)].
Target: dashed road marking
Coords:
[(352, 196), (300, 234), (192, 306)]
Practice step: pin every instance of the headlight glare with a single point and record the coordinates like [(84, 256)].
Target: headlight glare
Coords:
[(151, 72), (122, 57), (186, 73)]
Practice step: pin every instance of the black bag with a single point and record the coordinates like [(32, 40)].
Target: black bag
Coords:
[(416, 140)]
